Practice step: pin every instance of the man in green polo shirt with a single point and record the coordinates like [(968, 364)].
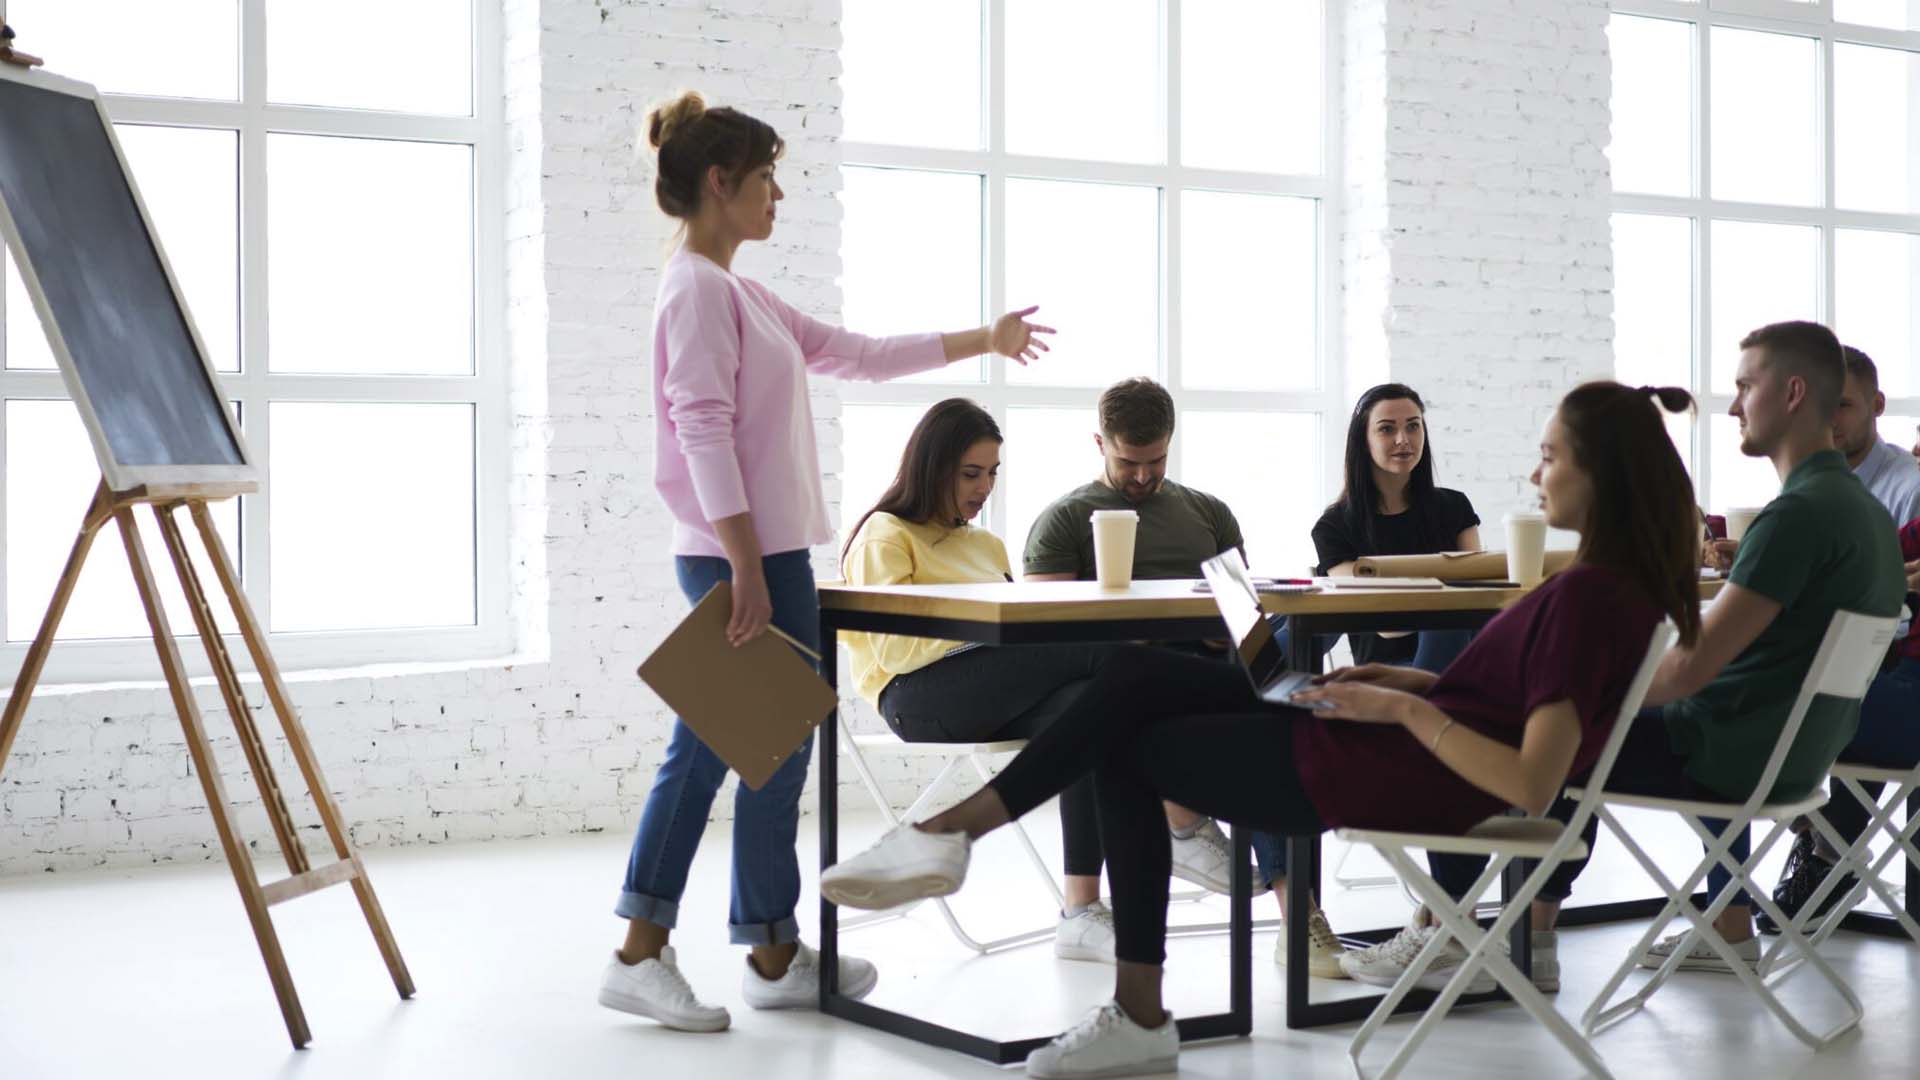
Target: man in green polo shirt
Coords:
[(1823, 545)]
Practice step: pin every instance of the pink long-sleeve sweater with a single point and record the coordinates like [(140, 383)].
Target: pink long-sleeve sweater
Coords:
[(734, 431)]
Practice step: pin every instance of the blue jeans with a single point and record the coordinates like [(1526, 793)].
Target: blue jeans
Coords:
[(1437, 649), (766, 869), (1888, 737)]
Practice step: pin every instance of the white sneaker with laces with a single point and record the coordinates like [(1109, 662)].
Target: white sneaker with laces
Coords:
[(904, 865), (1205, 858), (1324, 949), (1085, 936), (1108, 1043), (1383, 964), (1701, 957), (799, 988), (655, 989)]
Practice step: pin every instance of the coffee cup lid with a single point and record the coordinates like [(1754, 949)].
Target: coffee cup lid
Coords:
[(1117, 513), (1525, 515)]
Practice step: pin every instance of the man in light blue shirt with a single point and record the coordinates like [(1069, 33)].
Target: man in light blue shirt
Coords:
[(1891, 474)]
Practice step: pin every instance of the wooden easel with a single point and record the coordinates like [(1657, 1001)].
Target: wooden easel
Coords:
[(305, 878)]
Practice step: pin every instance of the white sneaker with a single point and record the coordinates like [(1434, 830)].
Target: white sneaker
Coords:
[(1324, 950), (904, 865), (1383, 964), (799, 988), (1701, 957), (656, 989), (1108, 1043), (1205, 858), (1086, 936)]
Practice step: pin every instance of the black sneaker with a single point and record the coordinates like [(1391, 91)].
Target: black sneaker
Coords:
[(1803, 874)]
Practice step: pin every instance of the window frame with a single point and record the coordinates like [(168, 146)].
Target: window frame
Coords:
[(254, 387), (1814, 21), (1327, 399)]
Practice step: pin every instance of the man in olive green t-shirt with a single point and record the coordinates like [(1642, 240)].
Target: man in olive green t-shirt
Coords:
[(1180, 528), (1823, 545)]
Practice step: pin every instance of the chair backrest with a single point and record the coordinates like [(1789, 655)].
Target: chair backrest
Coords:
[(1657, 644), (1848, 658)]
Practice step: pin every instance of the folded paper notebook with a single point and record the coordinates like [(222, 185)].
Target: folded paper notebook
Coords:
[(753, 705)]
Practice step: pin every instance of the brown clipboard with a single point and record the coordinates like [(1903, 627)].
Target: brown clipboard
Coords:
[(753, 705)]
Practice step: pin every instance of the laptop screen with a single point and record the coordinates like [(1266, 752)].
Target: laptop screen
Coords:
[(1239, 604)]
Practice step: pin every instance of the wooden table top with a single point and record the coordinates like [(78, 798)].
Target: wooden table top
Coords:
[(1078, 601)]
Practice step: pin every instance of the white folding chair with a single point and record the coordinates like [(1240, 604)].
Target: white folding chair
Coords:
[(1902, 783), (1502, 839), (1848, 657)]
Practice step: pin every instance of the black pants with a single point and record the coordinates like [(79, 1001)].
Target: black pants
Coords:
[(1647, 765), (1153, 725), (993, 692)]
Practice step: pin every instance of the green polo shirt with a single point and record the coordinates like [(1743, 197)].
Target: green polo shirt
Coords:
[(1180, 528), (1824, 545)]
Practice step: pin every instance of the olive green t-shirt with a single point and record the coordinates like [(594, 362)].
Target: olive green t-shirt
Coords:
[(1824, 545), (1180, 528)]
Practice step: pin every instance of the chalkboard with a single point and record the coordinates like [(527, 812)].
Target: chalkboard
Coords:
[(118, 326)]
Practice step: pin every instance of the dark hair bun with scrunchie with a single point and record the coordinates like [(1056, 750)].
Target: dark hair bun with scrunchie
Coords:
[(1671, 398), (668, 120)]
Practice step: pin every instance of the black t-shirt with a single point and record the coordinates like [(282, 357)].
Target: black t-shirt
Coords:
[(1433, 525)]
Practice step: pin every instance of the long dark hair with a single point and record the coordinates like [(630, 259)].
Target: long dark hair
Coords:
[(1359, 497), (924, 482), (1642, 521)]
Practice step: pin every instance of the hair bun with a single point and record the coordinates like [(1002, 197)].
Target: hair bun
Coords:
[(1671, 398), (667, 120)]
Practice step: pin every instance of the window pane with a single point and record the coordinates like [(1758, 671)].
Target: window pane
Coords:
[(1738, 480), (1653, 300), (1876, 129), (1893, 14), (370, 265), (1876, 281), (1901, 431), (1680, 431), (1652, 147), (911, 72), (26, 339), (407, 57), (371, 521), (1258, 57), (1048, 453), (185, 49), (1766, 137), (1249, 308), (1236, 456), (190, 181), (1089, 255), (1761, 274), (51, 476), (901, 280), (872, 438), (1082, 79)]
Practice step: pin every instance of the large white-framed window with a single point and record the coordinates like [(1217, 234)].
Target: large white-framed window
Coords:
[(1159, 176), (1766, 166), (327, 183)]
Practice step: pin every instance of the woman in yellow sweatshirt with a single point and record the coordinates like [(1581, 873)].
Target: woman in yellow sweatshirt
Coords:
[(919, 533)]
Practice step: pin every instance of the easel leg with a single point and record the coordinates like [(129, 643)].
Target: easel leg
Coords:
[(302, 749), (271, 797), (36, 659), (238, 860)]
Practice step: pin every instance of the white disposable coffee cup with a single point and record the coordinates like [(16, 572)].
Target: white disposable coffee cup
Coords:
[(1739, 520), (1526, 547), (1113, 532)]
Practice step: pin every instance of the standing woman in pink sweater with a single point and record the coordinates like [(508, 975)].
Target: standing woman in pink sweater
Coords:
[(736, 465)]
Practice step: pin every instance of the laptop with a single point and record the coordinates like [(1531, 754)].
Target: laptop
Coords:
[(1254, 647)]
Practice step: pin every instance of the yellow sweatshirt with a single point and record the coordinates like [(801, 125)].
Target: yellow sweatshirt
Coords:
[(890, 551)]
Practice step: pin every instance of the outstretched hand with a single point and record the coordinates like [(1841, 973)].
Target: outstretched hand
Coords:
[(1012, 336)]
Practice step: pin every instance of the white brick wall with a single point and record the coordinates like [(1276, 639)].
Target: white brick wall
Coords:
[(1478, 261), (1475, 266)]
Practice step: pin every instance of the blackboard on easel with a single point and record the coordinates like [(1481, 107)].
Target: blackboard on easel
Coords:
[(106, 296)]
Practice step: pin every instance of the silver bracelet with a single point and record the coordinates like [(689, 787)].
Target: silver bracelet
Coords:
[(1434, 746)]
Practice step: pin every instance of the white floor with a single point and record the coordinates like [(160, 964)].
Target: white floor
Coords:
[(153, 974)]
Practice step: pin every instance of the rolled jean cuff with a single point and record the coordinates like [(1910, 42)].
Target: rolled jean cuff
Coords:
[(661, 913), (779, 932)]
